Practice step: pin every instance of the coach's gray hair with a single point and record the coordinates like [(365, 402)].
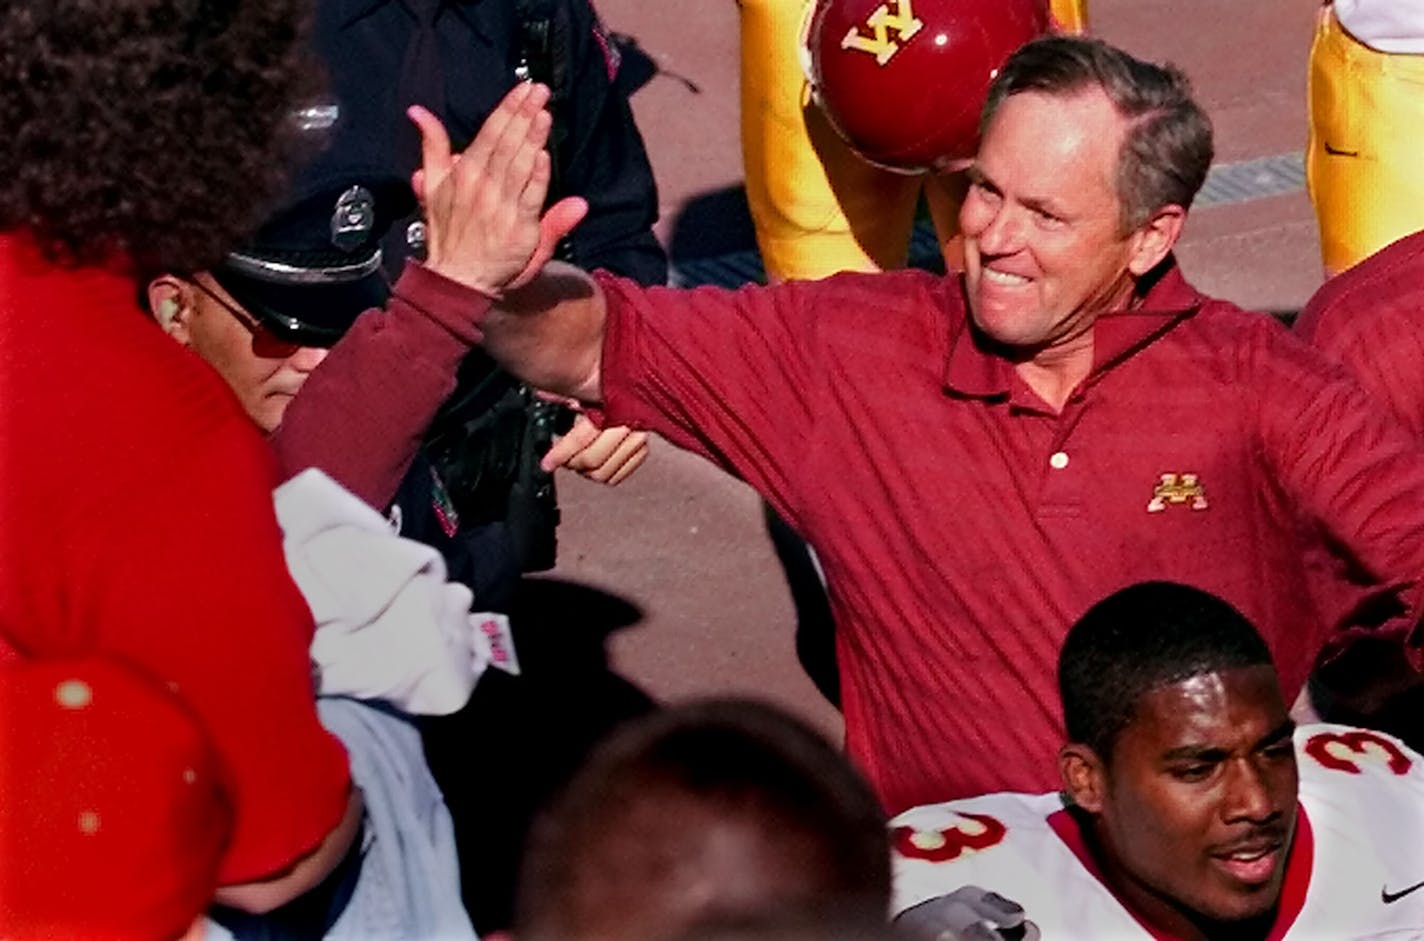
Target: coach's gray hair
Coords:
[(1168, 148)]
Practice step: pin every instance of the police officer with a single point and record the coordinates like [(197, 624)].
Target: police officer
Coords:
[(463, 492), (289, 320)]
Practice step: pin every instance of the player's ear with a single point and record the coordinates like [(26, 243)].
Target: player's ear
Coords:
[(1084, 776)]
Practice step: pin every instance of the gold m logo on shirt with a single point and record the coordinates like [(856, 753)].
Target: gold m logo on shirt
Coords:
[(892, 16), (1177, 489)]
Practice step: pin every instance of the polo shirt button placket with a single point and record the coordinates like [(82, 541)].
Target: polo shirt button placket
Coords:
[(1060, 498)]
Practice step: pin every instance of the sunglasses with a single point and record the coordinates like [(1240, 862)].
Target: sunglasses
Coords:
[(265, 343)]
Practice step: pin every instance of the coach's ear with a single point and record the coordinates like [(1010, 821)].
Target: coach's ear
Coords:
[(1084, 776), (1154, 239)]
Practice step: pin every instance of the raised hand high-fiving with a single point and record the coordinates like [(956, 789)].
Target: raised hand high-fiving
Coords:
[(485, 225)]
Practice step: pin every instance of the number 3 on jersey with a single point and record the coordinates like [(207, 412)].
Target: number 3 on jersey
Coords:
[(1347, 751), (973, 832)]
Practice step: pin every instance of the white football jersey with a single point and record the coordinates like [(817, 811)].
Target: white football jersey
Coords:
[(1356, 870)]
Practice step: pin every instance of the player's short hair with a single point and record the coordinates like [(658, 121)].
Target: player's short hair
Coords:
[(1138, 639), (149, 131), (699, 813), (1168, 147)]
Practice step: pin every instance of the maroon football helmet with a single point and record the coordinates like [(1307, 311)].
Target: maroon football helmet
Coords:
[(904, 81)]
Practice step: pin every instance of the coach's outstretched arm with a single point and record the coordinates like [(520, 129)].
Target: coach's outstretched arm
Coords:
[(550, 332), (487, 233)]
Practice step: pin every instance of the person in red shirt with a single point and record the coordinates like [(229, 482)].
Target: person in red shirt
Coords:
[(345, 372), (136, 506), (1368, 319), (977, 459)]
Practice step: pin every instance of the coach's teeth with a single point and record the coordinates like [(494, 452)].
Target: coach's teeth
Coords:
[(1004, 277)]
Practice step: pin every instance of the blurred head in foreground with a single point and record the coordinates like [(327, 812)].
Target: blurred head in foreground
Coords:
[(703, 815)]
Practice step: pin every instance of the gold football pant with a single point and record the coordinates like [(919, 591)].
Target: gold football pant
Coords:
[(817, 207), (1362, 160), (1071, 16)]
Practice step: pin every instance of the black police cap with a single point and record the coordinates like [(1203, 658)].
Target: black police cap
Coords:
[(316, 264)]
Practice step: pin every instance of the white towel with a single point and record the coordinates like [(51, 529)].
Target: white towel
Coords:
[(389, 626)]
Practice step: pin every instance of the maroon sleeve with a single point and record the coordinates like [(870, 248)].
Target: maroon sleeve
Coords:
[(1351, 465), (1384, 350), (726, 374), (1371, 319), (361, 416)]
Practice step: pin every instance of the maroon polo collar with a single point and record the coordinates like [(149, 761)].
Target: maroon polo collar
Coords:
[(975, 369)]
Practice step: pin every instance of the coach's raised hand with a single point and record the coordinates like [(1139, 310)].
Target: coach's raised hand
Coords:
[(483, 208)]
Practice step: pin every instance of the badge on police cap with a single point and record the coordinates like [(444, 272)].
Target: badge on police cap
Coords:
[(415, 239), (353, 219)]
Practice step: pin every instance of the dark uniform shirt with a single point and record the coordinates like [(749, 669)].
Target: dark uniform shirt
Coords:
[(458, 58), (377, 55)]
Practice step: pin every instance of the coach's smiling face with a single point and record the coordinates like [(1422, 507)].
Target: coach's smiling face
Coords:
[(1194, 810)]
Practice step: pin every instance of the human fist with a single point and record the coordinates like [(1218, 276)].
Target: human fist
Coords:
[(606, 455)]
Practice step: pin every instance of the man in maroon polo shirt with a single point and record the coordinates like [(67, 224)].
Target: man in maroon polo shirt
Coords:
[(979, 459)]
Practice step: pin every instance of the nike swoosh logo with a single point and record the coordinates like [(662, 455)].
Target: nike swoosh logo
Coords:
[(1390, 898)]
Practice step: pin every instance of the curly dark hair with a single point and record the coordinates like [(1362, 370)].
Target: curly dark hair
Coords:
[(156, 129)]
